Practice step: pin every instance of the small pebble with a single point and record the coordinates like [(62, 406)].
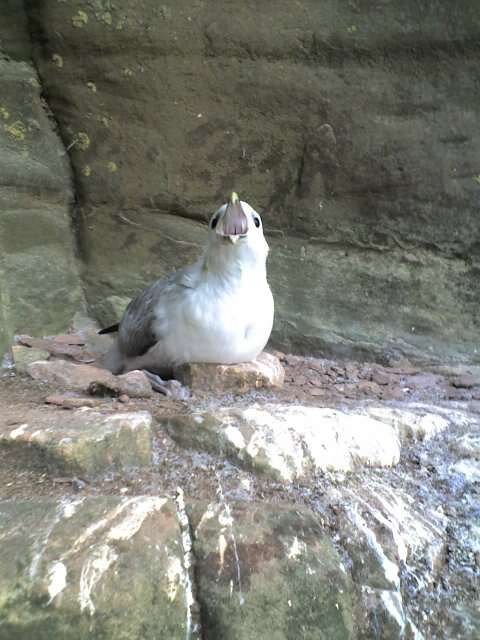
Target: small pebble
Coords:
[(465, 382), (70, 402), (381, 378), (78, 484)]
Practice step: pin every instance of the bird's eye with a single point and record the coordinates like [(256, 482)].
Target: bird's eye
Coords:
[(214, 222), (256, 222)]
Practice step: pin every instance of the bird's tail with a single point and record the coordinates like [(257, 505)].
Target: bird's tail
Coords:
[(111, 329)]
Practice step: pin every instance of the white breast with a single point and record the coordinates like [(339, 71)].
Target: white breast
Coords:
[(217, 321)]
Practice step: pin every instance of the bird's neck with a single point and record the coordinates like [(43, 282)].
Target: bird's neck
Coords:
[(233, 269)]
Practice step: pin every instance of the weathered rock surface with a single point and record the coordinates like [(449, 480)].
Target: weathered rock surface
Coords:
[(371, 208), (420, 423), (40, 287), (466, 381), (290, 442), (67, 346), (14, 36), (468, 468), (103, 567), (265, 371), (367, 180), (391, 544), (24, 356), (380, 551), (70, 567), (385, 533), (84, 377), (269, 573), (141, 567), (82, 441)]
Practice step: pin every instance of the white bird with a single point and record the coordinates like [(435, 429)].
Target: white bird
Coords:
[(219, 309)]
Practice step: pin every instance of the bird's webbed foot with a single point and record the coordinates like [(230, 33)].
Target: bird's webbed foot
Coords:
[(171, 388)]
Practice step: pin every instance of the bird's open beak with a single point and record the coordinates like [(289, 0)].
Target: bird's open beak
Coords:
[(234, 222)]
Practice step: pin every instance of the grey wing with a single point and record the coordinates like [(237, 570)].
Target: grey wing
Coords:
[(136, 332)]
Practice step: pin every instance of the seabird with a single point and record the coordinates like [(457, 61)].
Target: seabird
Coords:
[(219, 309)]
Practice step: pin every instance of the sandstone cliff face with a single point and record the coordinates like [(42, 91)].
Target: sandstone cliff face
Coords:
[(40, 287), (353, 127)]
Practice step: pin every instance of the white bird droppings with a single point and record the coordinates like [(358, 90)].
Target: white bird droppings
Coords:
[(175, 577), (392, 601), (19, 431), (296, 549), (94, 568), (187, 544), (57, 580), (222, 547), (389, 567), (235, 436), (132, 522)]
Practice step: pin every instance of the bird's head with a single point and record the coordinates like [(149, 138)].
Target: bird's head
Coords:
[(236, 230)]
